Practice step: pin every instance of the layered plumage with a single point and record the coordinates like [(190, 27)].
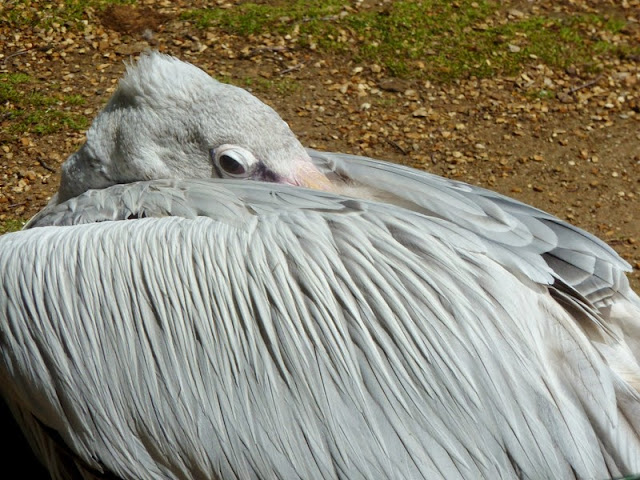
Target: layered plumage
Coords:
[(205, 298)]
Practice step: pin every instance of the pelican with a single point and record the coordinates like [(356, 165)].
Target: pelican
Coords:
[(205, 298)]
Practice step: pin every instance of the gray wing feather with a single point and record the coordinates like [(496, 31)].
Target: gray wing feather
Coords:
[(271, 332), (518, 235)]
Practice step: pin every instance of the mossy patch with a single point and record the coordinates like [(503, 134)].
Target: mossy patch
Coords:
[(7, 226), (26, 110), (428, 39)]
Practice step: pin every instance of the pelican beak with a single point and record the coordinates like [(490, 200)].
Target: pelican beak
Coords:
[(309, 176)]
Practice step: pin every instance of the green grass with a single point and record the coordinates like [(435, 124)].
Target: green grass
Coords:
[(24, 110), (282, 86), (250, 18), (7, 226), (435, 39), (561, 42), (70, 13)]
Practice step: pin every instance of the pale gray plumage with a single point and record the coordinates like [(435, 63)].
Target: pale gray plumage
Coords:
[(395, 325)]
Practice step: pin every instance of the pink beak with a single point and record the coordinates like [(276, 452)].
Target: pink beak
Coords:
[(307, 175)]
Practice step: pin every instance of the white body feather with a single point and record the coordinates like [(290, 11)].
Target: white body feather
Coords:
[(229, 329)]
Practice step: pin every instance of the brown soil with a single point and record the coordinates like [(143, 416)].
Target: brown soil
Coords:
[(576, 155)]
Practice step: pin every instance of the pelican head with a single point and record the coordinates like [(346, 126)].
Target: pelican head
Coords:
[(170, 119)]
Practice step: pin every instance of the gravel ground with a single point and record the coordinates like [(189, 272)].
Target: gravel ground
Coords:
[(574, 153)]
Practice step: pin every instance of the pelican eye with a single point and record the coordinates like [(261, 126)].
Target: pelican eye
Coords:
[(234, 161), (231, 165)]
